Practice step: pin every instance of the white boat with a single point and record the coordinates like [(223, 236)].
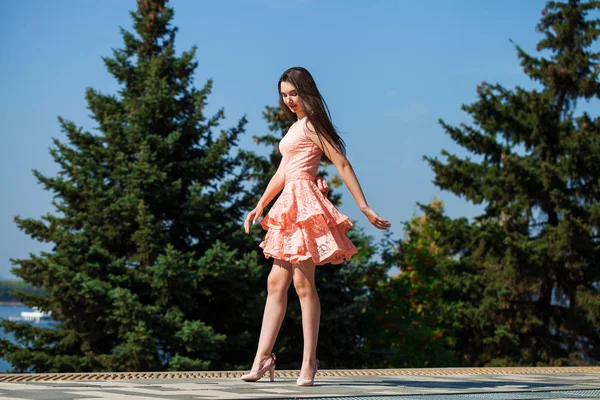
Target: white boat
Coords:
[(36, 315)]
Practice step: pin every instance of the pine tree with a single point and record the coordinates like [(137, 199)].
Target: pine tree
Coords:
[(526, 269), (408, 325), (150, 268), (342, 290)]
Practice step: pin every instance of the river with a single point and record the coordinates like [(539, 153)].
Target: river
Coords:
[(14, 311)]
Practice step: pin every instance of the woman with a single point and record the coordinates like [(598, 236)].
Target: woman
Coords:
[(304, 228)]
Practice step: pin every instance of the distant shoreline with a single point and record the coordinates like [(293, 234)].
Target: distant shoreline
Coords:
[(11, 303)]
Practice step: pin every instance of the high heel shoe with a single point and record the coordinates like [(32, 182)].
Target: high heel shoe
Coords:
[(308, 382), (269, 365)]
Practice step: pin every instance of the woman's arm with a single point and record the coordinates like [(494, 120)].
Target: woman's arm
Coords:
[(275, 185), (348, 176)]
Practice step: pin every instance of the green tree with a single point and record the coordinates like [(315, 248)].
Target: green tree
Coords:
[(526, 270), (9, 287), (408, 326), (343, 295), (150, 269)]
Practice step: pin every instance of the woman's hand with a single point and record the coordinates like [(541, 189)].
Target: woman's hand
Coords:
[(375, 219), (252, 216), (322, 185)]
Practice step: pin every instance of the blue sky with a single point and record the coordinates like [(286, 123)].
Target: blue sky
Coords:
[(388, 70)]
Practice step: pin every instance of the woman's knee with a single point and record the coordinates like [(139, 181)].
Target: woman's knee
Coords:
[(279, 280), (304, 287), (277, 285)]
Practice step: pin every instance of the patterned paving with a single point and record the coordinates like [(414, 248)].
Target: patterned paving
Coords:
[(423, 384), (104, 376)]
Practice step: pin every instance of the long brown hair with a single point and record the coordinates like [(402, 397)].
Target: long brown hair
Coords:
[(314, 106)]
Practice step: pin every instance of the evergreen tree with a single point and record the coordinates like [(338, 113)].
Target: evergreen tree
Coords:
[(9, 287), (342, 292), (150, 268), (408, 325), (526, 270)]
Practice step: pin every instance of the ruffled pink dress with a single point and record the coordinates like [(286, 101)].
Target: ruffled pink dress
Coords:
[(303, 223)]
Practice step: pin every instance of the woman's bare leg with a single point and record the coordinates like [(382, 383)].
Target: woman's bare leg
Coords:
[(304, 282), (278, 284)]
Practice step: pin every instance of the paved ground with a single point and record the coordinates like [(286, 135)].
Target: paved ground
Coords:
[(425, 384)]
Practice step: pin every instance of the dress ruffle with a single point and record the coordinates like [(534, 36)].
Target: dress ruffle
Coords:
[(304, 224)]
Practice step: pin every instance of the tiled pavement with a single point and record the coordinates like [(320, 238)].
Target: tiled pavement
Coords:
[(426, 384)]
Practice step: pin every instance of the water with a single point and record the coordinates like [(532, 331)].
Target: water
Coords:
[(14, 312)]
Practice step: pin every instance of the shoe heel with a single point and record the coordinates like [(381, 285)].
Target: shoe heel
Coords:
[(272, 373)]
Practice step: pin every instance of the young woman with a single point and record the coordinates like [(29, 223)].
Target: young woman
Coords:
[(304, 228)]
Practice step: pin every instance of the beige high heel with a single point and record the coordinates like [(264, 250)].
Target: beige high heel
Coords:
[(308, 382), (269, 365)]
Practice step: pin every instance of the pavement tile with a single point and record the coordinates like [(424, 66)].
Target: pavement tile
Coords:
[(357, 383)]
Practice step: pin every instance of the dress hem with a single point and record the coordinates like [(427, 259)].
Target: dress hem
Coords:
[(299, 259)]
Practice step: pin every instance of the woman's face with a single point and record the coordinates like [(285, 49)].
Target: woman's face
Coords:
[(290, 97)]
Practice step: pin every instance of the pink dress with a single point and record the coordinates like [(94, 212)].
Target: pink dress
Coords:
[(303, 223)]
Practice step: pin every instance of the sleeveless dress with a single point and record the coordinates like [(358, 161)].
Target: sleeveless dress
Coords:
[(303, 223)]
